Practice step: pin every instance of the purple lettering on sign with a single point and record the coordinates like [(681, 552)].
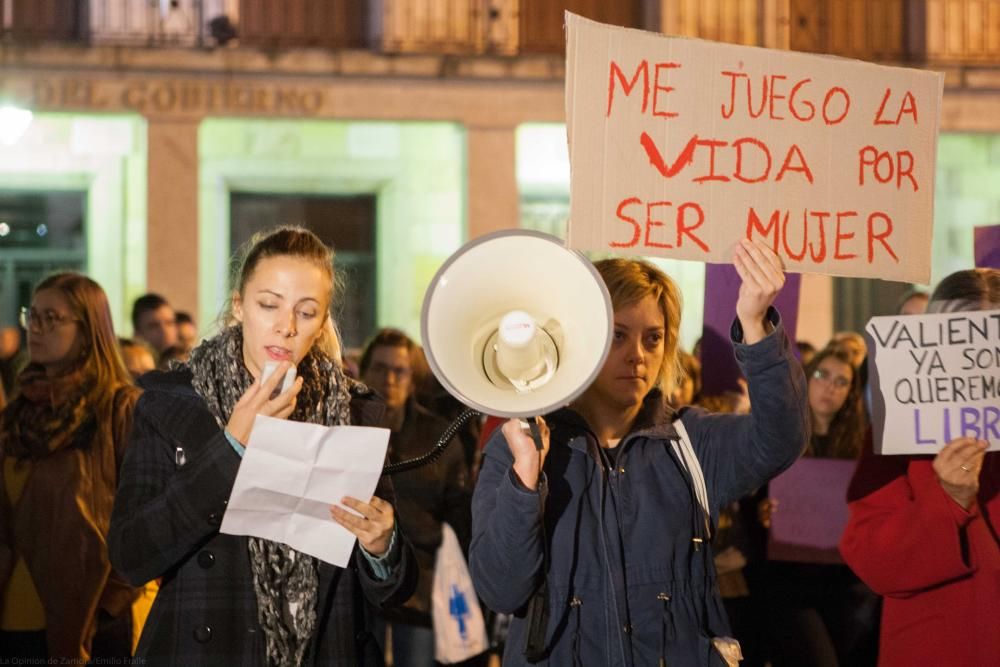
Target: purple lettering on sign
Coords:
[(916, 429), (970, 422)]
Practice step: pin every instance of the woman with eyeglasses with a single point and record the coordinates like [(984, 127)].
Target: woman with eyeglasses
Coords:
[(821, 614), (62, 439), (923, 531)]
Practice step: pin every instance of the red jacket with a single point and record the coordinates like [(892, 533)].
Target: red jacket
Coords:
[(937, 565)]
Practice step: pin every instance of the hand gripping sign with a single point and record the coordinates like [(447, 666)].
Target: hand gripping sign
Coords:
[(934, 378)]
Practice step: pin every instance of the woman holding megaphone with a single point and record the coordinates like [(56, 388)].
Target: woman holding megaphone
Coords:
[(598, 543)]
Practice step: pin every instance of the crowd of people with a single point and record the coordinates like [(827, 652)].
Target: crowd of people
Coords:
[(634, 531)]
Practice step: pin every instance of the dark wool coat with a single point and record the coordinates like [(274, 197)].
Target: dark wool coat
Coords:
[(626, 586), (425, 498), (166, 524)]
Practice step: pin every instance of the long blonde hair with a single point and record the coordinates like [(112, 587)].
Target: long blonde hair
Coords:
[(289, 241), (630, 281)]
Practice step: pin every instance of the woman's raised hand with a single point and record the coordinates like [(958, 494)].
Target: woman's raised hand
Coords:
[(256, 400), (528, 459), (957, 467), (763, 276)]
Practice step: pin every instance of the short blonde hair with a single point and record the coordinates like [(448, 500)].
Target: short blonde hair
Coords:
[(632, 280)]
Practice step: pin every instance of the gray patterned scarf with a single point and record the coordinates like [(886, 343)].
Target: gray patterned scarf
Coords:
[(284, 581)]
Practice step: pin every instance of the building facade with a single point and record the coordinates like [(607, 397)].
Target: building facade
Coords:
[(165, 132)]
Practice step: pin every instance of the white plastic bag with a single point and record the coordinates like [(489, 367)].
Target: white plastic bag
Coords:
[(459, 630)]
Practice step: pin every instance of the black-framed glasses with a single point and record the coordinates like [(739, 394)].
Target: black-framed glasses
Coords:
[(401, 372), (46, 321), (838, 381)]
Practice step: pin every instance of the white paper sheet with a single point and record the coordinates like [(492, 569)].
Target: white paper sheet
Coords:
[(290, 475)]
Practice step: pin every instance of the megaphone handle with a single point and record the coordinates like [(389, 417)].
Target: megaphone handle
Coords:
[(438, 449), (536, 434)]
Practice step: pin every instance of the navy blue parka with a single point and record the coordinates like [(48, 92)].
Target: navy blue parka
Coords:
[(627, 587)]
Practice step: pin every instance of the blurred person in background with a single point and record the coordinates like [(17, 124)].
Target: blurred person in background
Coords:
[(137, 356), (62, 440), (171, 354), (433, 396), (821, 614), (154, 321), (853, 344), (913, 302), (806, 351), (12, 357), (688, 385), (923, 531), (426, 497), (187, 331)]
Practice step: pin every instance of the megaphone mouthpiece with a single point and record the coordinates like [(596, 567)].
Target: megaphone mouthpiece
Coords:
[(517, 329), (523, 356)]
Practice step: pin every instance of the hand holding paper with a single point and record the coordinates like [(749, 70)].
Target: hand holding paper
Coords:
[(256, 400), (373, 528), (292, 473)]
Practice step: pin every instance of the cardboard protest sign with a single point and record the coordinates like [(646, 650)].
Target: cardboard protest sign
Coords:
[(679, 147), (812, 510), (934, 378), (719, 371), (986, 246)]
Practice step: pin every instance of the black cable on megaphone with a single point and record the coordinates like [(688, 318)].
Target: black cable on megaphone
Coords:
[(437, 450)]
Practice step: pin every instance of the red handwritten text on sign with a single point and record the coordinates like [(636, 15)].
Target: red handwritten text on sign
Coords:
[(681, 147)]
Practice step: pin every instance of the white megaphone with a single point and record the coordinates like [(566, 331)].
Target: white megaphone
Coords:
[(516, 325)]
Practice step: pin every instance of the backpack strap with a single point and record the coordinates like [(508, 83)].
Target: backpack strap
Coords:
[(685, 453)]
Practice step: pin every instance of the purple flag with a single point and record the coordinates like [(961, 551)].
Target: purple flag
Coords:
[(812, 510), (719, 371), (986, 241)]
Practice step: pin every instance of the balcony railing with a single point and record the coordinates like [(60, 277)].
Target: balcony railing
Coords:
[(961, 30), (444, 26), (733, 21), (917, 31), (920, 31), (331, 24), (130, 22)]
